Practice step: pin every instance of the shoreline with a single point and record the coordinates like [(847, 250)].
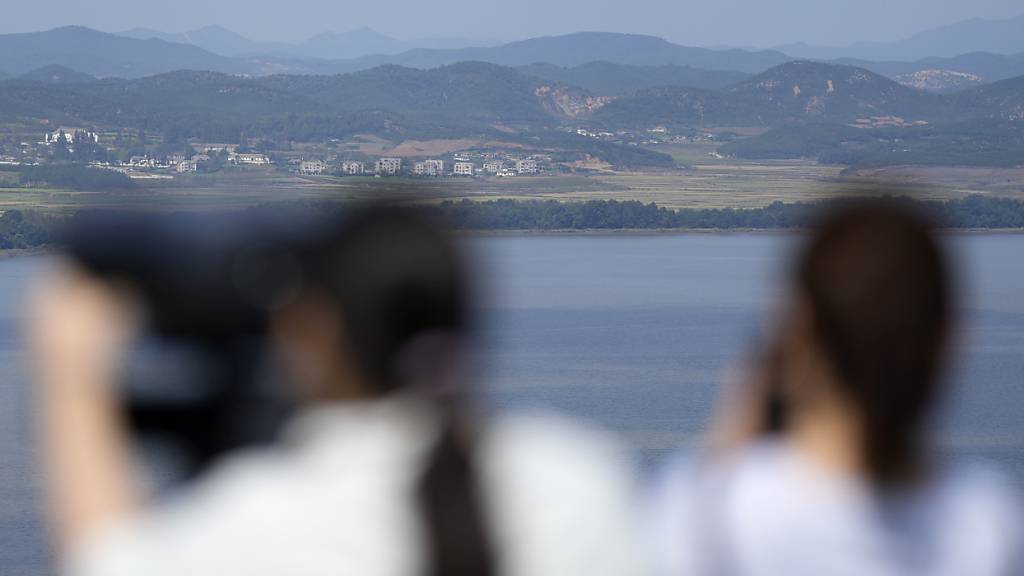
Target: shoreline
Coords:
[(10, 253), (702, 231)]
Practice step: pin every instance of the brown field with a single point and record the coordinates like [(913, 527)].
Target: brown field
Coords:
[(952, 180)]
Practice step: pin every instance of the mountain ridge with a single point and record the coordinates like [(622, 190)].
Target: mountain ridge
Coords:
[(353, 43), (102, 54), (999, 36), (578, 48)]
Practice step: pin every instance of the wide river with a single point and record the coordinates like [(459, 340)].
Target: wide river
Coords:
[(633, 332)]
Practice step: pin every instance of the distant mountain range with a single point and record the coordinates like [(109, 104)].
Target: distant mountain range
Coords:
[(109, 55), (605, 64), (214, 39), (1004, 37), (365, 48), (583, 47), (325, 46), (986, 66), (977, 35), (101, 54)]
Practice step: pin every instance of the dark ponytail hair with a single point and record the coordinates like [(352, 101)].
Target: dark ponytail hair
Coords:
[(399, 283), (877, 284)]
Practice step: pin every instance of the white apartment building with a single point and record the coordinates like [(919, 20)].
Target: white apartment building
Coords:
[(463, 169), (493, 166), (526, 166), (312, 167), (353, 168), (254, 159), (185, 166), (429, 168), (388, 166)]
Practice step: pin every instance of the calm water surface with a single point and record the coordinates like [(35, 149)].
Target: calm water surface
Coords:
[(633, 332)]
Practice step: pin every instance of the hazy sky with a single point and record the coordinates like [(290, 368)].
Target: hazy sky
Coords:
[(693, 22)]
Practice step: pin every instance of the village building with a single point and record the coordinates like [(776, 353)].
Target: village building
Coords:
[(526, 166), (186, 166), (70, 135), (142, 162), (493, 166), (215, 148), (353, 168), (388, 166), (252, 159), (312, 167), (429, 168), (463, 169)]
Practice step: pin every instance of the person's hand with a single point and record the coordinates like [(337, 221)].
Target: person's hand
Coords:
[(750, 405), (77, 329)]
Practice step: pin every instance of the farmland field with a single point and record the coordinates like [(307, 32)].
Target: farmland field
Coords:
[(706, 181)]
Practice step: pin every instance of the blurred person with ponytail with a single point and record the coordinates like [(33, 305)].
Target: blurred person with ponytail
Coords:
[(820, 463), (384, 472)]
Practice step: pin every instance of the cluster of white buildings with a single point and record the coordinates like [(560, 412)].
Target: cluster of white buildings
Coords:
[(430, 167), (249, 159), (461, 167), (178, 162), (70, 136), (497, 167)]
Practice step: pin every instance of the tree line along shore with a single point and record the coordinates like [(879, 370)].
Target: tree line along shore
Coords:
[(31, 229)]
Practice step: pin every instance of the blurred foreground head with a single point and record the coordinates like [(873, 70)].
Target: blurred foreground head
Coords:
[(386, 294), (385, 310), (866, 339)]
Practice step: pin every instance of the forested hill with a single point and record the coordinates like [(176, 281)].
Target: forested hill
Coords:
[(475, 96), (794, 91), (56, 74), (453, 100), (1002, 100), (812, 109)]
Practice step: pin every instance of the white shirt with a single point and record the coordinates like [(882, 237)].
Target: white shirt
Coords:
[(769, 511), (337, 498)]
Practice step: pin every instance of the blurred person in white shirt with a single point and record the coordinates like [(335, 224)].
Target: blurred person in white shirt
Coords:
[(819, 462), (383, 472)]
